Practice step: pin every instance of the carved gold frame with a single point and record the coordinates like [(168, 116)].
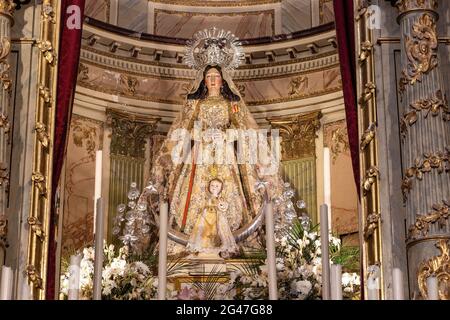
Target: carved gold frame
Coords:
[(39, 216), (370, 215)]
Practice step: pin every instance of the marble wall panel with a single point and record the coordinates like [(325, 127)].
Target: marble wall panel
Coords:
[(344, 196), (296, 15), (133, 15), (85, 137), (98, 9), (185, 24)]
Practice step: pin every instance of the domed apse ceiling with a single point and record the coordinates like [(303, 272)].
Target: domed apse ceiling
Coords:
[(182, 18)]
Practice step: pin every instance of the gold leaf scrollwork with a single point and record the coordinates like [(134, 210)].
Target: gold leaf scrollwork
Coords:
[(48, 51), (438, 267), (371, 224), (368, 136), (39, 182), (4, 123), (36, 227), (362, 9), (368, 94), (4, 176), (339, 142), (421, 50), (45, 94), (438, 161), (439, 214), (370, 179), (34, 277), (42, 135), (366, 50), (5, 49), (432, 105)]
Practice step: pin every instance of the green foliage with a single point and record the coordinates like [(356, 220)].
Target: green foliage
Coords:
[(348, 257)]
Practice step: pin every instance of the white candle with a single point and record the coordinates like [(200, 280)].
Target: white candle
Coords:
[(74, 277), (432, 288), (98, 262), (327, 182), (271, 258), (98, 182), (6, 285), (397, 278), (324, 245), (373, 285), (162, 266), (26, 290), (336, 282)]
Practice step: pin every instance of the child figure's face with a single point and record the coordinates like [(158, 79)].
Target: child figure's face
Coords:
[(215, 187)]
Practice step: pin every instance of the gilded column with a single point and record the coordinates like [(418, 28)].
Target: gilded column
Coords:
[(425, 134), (6, 21)]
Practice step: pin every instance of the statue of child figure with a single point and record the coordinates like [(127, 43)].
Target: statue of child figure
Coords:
[(211, 236)]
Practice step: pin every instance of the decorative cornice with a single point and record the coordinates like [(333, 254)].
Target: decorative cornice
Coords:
[(224, 3), (405, 6)]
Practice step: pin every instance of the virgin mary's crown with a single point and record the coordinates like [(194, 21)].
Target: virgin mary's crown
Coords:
[(214, 47)]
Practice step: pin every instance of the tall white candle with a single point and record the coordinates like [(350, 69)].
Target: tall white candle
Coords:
[(397, 277), (336, 282), (327, 182), (98, 262), (324, 245), (6, 285), (432, 288), (373, 285), (271, 258), (162, 266), (98, 182), (74, 277)]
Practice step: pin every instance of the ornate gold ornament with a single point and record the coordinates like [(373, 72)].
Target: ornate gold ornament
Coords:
[(3, 230), (40, 183), (420, 228), (4, 123), (36, 227), (432, 105), (438, 161), (46, 94), (369, 92), (41, 131), (5, 49), (48, 13), (366, 50), (371, 224), (48, 51), (34, 277), (4, 176), (297, 85), (438, 267), (298, 134), (370, 179), (368, 136), (362, 9), (421, 50), (7, 7)]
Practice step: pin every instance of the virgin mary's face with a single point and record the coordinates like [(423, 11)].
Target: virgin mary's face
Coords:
[(213, 80)]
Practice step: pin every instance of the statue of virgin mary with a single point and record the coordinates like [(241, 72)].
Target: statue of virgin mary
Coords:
[(206, 168)]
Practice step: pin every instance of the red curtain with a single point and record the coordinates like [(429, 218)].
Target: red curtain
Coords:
[(72, 12), (345, 32)]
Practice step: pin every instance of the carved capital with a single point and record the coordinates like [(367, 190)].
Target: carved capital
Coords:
[(405, 6), (130, 132), (298, 134), (439, 267)]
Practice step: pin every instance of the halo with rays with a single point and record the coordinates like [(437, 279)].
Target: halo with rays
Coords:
[(214, 47)]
